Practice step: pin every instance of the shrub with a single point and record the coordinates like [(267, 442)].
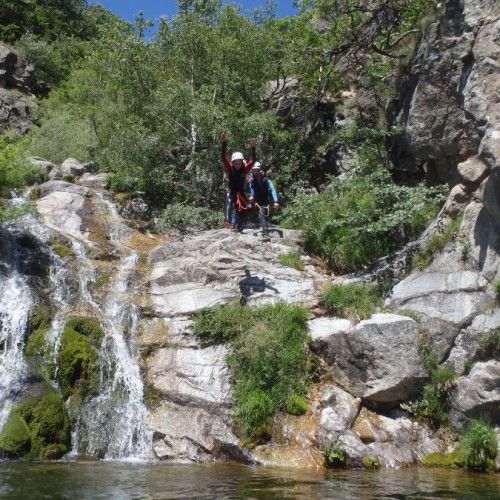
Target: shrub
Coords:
[(478, 445), (435, 244), (489, 347), (335, 456), (15, 169), (269, 362), (351, 301), (363, 218), (291, 259), (433, 405), (188, 218)]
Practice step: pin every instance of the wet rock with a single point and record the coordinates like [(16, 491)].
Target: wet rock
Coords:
[(61, 205), (95, 181), (478, 394)]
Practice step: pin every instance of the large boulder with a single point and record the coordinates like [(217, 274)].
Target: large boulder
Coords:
[(217, 267), (478, 394), (377, 360)]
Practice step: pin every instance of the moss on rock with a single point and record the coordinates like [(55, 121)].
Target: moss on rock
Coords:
[(37, 427), (78, 357), (15, 438), (448, 459)]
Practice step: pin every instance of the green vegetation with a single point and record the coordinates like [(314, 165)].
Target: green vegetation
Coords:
[(433, 405), (351, 301), (478, 445), (291, 259), (370, 462), (435, 244), (496, 289), (449, 459), (268, 362), (188, 218), (489, 347), (37, 428), (363, 218), (78, 372), (335, 456)]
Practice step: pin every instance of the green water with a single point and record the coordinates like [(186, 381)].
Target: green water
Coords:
[(112, 480)]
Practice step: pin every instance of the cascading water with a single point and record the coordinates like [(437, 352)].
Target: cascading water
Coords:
[(15, 304), (111, 425)]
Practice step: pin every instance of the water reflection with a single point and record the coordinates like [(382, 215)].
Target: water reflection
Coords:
[(113, 480)]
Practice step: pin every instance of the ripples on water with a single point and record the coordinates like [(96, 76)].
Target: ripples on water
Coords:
[(114, 480)]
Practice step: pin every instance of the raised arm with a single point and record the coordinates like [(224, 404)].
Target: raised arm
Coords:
[(248, 166), (225, 160)]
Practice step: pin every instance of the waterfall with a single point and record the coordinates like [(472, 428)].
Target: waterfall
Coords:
[(15, 303), (111, 425)]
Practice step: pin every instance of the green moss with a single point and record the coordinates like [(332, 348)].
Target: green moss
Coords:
[(40, 318), (449, 459), (78, 357), (36, 343), (15, 438), (36, 426), (89, 327), (370, 462), (62, 250)]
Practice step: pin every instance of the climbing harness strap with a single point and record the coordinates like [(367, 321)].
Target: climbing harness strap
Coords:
[(263, 210), (241, 203)]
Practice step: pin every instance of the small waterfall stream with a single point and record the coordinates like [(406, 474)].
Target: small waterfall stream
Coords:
[(15, 304), (111, 424)]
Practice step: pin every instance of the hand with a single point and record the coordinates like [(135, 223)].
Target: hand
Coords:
[(253, 143), (223, 137), (276, 206), (251, 199)]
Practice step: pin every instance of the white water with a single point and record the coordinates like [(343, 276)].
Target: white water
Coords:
[(15, 304), (110, 425)]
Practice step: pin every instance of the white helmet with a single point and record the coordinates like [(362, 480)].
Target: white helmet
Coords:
[(256, 165), (237, 156)]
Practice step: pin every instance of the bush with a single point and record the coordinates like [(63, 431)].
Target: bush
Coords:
[(489, 347), (268, 363), (351, 301), (435, 245), (363, 218), (478, 445), (188, 218), (335, 456), (291, 259), (15, 170), (433, 406)]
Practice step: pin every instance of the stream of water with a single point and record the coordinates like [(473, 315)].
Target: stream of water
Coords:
[(123, 481)]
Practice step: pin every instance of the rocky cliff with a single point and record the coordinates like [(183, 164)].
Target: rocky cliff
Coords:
[(17, 86)]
